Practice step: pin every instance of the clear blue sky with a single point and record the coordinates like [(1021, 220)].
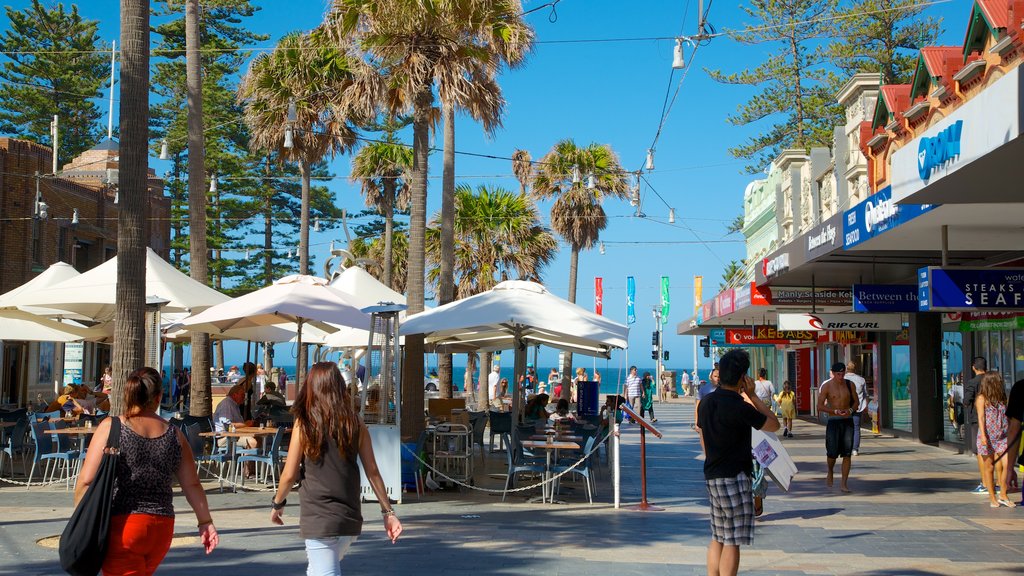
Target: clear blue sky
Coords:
[(608, 92)]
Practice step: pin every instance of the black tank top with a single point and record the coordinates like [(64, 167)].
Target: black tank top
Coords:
[(145, 473), (330, 494)]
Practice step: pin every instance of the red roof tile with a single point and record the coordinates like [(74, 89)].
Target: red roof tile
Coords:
[(997, 12), (942, 61), (896, 96)]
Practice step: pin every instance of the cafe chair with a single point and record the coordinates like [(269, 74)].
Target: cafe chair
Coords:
[(14, 443), (412, 469), (46, 416), (584, 469), (517, 464), (270, 459), (199, 455), (501, 426), (46, 452), (478, 422)]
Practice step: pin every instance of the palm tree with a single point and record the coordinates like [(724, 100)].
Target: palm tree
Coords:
[(130, 316), (459, 45), (298, 77), (498, 234), (522, 167), (565, 174), (381, 168)]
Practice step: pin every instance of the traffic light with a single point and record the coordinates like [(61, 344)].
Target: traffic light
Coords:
[(705, 342), (654, 354), (664, 355), (707, 352), (654, 345)]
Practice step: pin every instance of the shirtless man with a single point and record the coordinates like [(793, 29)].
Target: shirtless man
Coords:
[(837, 399)]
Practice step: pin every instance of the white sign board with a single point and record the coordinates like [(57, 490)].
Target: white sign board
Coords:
[(981, 125), (837, 322)]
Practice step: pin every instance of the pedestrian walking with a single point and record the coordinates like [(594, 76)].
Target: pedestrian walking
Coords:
[(1015, 417), (978, 368), (634, 389), (860, 387), (152, 455), (727, 417), (684, 382), (838, 400), (764, 388), (327, 437), (647, 402), (786, 399), (990, 403)]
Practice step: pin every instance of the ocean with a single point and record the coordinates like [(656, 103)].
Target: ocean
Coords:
[(611, 379)]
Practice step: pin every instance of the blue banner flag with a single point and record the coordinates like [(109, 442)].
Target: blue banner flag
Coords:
[(630, 300)]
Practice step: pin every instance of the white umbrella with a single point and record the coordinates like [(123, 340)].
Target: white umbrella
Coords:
[(516, 314), (299, 299), (19, 325), (93, 294), (55, 274), (364, 290)]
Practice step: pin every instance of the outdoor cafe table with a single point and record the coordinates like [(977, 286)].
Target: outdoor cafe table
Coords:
[(232, 437), (548, 448), (558, 437)]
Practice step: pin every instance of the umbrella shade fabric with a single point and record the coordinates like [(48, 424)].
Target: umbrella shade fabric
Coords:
[(55, 274), (92, 294), (493, 320), (23, 326), (364, 290), (295, 298)]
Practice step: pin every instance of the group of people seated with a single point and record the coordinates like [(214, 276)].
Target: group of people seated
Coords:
[(78, 399)]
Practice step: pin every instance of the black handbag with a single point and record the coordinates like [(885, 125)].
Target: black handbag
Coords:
[(83, 544)]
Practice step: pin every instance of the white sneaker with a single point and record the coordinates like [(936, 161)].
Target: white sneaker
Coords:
[(856, 453)]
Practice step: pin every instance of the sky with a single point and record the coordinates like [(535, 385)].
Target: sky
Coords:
[(600, 72)]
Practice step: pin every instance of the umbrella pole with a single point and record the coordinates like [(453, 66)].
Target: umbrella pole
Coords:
[(300, 359), (248, 350)]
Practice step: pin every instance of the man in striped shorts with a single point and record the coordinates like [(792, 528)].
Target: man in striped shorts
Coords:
[(726, 418)]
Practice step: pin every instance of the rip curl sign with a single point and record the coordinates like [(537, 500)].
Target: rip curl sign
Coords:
[(937, 150)]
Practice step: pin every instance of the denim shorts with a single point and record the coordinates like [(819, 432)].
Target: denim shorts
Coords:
[(325, 554)]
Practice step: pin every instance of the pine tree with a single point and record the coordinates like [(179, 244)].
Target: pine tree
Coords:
[(794, 93), (57, 65), (882, 36)]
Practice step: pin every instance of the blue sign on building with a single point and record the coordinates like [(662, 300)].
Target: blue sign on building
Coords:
[(717, 336), (939, 149), (876, 215), (885, 298), (971, 288)]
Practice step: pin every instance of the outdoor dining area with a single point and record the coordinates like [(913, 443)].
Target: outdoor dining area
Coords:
[(350, 314)]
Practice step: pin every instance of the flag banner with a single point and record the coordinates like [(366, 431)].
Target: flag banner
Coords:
[(664, 300), (698, 288), (630, 300), (598, 296)]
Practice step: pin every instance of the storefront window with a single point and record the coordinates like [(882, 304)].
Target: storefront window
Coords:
[(1018, 355), (900, 389), (995, 360), (952, 374)]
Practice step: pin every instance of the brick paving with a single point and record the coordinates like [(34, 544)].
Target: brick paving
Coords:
[(910, 514)]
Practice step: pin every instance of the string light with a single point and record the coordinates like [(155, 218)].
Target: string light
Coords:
[(74, 217), (164, 155), (671, 215), (601, 248), (213, 183)]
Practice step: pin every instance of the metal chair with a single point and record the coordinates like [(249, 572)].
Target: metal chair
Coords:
[(199, 455), (584, 469), (270, 458), (516, 465), (14, 443), (46, 450), (478, 422), (501, 426)]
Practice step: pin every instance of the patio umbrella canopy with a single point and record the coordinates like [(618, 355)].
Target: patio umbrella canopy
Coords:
[(514, 315), (23, 326), (364, 290), (57, 273), (92, 294)]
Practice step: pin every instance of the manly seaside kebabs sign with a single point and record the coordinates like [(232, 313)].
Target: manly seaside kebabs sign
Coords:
[(970, 288)]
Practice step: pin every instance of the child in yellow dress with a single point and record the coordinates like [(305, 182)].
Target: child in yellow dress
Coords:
[(787, 407)]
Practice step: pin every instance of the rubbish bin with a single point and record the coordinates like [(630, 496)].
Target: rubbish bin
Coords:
[(669, 377)]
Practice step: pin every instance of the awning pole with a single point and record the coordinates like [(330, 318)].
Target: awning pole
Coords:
[(945, 245)]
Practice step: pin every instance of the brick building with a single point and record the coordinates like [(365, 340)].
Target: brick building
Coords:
[(29, 244)]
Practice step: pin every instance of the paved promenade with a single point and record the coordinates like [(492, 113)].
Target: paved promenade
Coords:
[(910, 514)]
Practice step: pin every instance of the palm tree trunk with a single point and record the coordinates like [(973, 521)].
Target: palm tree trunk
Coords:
[(484, 396), (412, 381), (304, 219), (130, 314), (446, 281), (566, 367), (467, 380), (201, 403)]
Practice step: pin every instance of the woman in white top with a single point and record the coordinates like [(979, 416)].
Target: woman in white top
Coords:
[(764, 388)]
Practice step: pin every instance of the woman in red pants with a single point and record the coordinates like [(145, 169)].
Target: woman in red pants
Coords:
[(153, 455)]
